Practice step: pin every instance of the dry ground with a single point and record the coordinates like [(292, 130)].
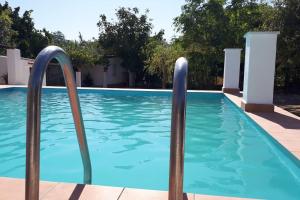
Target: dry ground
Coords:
[(289, 102)]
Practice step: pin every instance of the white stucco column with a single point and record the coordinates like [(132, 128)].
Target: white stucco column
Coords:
[(13, 65), (231, 70), (259, 71), (78, 79), (18, 69)]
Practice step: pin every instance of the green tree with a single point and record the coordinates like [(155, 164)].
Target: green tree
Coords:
[(152, 80), (162, 61), (243, 16), (58, 38), (210, 26), (6, 33), (126, 39), (287, 21), (204, 26), (82, 53), (21, 32)]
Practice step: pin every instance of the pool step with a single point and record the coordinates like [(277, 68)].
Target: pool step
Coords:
[(14, 189)]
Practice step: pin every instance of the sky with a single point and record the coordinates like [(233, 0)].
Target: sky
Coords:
[(74, 16)]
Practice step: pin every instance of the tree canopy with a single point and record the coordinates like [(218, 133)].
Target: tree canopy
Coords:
[(82, 53), (6, 33), (20, 32), (126, 37), (287, 21), (162, 59)]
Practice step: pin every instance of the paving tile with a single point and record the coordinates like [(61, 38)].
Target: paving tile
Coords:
[(62, 191), (290, 145), (140, 194), (11, 188), (92, 192), (74, 191)]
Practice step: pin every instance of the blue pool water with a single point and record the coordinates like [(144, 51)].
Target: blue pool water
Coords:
[(128, 134)]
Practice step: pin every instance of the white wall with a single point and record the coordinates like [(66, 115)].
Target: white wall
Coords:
[(96, 74), (27, 64), (232, 68), (18, 68), (115, 74), (259, 71)]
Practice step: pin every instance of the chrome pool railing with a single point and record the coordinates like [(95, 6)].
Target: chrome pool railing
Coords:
[(178, 130), (34, 118)]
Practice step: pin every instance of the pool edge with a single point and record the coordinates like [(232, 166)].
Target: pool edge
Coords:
[(14, 188), (288, 138)]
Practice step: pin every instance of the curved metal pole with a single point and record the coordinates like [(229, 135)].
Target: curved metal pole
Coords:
[(34, 118), (178, 130)]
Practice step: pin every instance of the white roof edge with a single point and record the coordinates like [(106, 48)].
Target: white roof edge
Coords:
[(238, 49), (262, 33)]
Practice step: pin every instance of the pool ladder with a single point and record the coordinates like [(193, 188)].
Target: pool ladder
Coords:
[(178, 130), (34, 122), (34, 118)]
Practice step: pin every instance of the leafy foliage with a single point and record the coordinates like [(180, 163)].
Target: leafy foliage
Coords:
[(210, 26), (22, 33), (162, 60), (126, 38), (6, 33), (83, 53), (287, 21)]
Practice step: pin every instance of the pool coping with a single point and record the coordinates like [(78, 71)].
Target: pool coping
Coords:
[(114, 89), (14, 188)]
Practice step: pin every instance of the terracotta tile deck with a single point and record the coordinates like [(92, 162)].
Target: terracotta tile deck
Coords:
[(282, 125), (14, 189)]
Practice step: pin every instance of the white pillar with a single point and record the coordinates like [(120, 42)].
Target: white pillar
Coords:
[(78, 79), (13, 65), (259, 71), (231, 70), (17, 68)]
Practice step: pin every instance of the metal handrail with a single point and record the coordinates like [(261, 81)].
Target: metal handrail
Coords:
[(34, 118), (178, 130)]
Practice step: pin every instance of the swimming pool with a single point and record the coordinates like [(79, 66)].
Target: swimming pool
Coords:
[(128, 132)]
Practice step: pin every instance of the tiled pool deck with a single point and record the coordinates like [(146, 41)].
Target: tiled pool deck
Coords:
[(14, 189), (283, 126)]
